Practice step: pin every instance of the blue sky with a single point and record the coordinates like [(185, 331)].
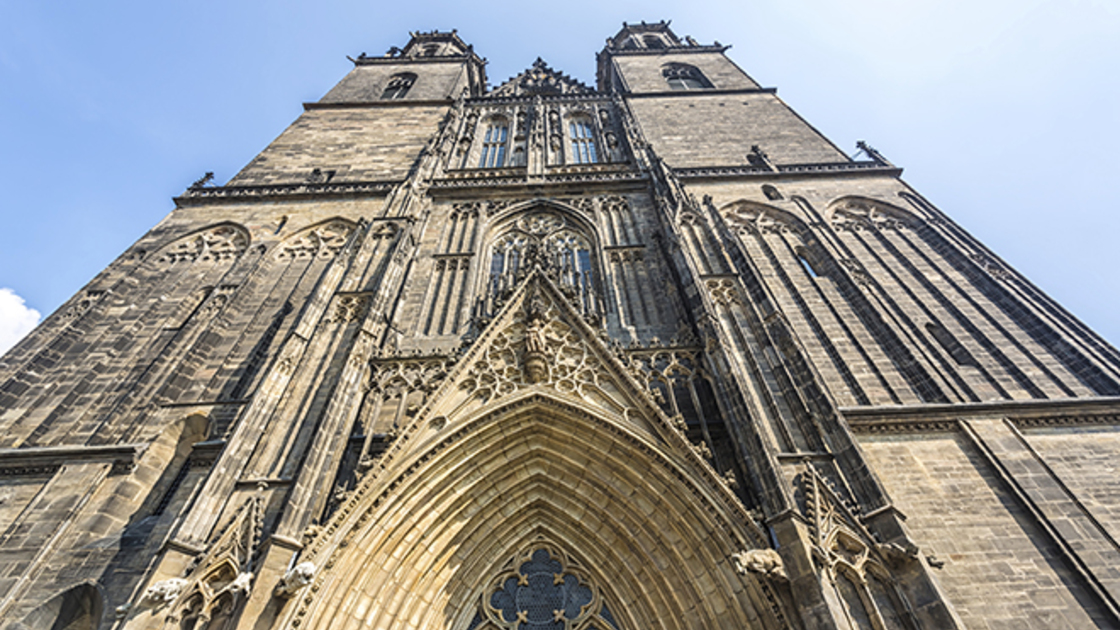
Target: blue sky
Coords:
[(1006, 114)]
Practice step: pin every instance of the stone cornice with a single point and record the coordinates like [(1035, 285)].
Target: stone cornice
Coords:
[(434, 102), (545, 98), (945, 417), (670, 50), (48, 459), (560, 179), (220, 194), (829, 169), (396, 61), (699, 92)]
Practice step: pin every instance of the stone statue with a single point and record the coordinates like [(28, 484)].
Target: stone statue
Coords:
[(295, 579), (764, 562)]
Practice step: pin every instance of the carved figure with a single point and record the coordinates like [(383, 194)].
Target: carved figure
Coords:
[(764, 562), (295, 579), (161, 594)]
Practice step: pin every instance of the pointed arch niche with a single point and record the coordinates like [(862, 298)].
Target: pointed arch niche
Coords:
[(425, 541)]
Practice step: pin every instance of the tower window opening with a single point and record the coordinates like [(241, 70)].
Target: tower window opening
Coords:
[(494, 146), (583, 142), (682, 76), (399, 85)]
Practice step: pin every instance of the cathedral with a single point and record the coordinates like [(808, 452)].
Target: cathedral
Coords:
[(652, 353)]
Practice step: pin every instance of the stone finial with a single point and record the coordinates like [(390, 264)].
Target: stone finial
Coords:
[(295, 579), (764, 562)]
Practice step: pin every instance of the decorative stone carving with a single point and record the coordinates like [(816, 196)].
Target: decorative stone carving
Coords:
[(764, 562), (222, 575), (221, 243), (993, 268), (857, 271), (295, 579), (541, 79), (161, 594), (724, 291), (322, 241), (857, 213), (350, 307)]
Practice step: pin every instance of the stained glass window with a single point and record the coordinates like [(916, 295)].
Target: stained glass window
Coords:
[(540, 591)]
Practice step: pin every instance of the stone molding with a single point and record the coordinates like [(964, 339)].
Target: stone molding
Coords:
[(48, 460), (211, 194), (829, 169), (1027, 414)]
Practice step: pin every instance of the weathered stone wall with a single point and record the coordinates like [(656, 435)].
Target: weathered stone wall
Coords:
[(1086, 460), (691, 129), (365, 144), (1000, 571), (642, 73), (436, 79)]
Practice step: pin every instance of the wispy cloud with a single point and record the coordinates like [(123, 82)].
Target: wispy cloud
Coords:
[(16, 319)]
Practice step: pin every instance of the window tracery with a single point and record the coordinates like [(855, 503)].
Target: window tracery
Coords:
[(681, 76), (546, 240), (220, 243), (398, 86), (542, 589)]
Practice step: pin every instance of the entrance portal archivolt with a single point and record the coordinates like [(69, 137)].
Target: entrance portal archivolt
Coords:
[(419, 549)]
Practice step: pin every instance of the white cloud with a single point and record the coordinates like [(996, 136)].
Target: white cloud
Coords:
[(16, 319)]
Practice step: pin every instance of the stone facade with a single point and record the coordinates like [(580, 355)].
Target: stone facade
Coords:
[(649, 354)]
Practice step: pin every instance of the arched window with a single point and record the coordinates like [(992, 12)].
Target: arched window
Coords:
[(583, 141), (682, 76), (494, 144), (551, 242), (399, 85)]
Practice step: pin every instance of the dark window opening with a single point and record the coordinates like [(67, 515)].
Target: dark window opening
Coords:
[(682, 76), (399, 85)]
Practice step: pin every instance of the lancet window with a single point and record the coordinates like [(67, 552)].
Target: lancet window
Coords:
[(494, 145), (583, 141), (542, 590)]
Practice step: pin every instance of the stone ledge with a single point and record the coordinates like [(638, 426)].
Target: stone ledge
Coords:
[(945, 417), (829, 169), (213, 194), (48, 459)]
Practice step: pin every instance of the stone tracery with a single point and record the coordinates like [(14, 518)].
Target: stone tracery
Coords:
[(542, 588)]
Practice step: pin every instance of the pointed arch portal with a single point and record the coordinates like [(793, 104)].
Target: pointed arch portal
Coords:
[(535, 468)]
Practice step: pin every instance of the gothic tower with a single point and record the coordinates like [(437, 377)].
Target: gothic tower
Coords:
[(649, 354)]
